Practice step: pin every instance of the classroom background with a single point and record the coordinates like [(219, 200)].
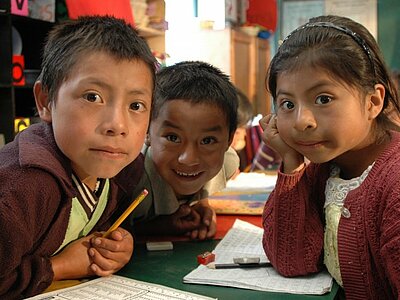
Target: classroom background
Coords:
[(238, 36)]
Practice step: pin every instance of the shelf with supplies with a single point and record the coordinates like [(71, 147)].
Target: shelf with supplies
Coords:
[(21, 41)]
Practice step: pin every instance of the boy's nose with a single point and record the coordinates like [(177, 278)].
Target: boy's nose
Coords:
[(116, 122), (305, 119), (189, 156)]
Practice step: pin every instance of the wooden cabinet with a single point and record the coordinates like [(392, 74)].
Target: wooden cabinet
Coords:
[(243, 57), (260, 62), (154, 29), (250, 58), (241, 65), (155, 39), (18, 101)]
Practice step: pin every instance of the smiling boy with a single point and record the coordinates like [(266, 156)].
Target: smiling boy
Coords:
[(188, 158)]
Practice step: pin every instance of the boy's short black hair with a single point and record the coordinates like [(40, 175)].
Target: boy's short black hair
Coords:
[(68, 41), (196, 82)]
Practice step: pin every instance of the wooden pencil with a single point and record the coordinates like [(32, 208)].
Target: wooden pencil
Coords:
[(127, 212)]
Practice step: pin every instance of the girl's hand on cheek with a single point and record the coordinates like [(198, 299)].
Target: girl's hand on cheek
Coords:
[(292, 159), (271, 135)]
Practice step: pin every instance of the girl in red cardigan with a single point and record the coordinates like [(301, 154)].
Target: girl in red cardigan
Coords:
[(333, 95)]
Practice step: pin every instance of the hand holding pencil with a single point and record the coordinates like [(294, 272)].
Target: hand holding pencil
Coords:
[(127, 212)]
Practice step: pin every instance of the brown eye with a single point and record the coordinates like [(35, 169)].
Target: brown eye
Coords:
[(288, 105), (208, 140), (172, 138), (137, 106), (323, 99), (92, 97)]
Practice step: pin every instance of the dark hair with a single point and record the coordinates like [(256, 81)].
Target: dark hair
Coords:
[(345, 49), (245, 109), (68, 41), (396, 79), (196, 82)]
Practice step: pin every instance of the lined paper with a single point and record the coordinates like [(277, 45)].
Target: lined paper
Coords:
[(116, 287), (245, 240)]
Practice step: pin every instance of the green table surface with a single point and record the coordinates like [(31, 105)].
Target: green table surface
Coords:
[(169, 267)]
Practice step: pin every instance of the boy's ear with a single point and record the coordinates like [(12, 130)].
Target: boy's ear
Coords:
[(147, 140), (375, 101), (42, 101)]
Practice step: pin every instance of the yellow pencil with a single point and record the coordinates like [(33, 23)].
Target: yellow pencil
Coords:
[(126, 213)]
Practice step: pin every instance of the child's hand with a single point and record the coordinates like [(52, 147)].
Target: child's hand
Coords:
[(73, 262), (292, 159), (196, 221), (271, 135), (184, 220), (110, 254), (207, 228)]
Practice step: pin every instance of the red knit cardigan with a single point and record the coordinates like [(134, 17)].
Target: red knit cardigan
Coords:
[(368, 238)]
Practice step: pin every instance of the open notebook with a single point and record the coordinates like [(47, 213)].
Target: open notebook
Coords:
[(245, 240)]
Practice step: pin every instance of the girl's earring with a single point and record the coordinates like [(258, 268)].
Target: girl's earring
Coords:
[(147, 140)]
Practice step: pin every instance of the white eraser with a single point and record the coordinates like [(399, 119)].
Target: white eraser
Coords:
[(159, 246)]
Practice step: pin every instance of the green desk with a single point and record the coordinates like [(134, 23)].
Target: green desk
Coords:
[(169, 267)]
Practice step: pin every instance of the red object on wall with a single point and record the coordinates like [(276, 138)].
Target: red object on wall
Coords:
[(264, 13), (118, 8), (18, 70)]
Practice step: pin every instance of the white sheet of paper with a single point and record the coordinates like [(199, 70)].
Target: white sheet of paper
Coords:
[(245, 240), (251, 181), (118, 288), (242, 240)]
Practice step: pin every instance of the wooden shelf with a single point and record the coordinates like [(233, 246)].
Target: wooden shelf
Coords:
[(155, 36), (18, 101)]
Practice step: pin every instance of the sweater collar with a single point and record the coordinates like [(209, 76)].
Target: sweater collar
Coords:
[(38, 149)]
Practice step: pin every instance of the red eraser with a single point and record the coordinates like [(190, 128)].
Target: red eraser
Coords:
[(205, 258)]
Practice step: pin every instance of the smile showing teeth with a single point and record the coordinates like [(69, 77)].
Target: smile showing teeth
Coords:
[(187, 174)]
